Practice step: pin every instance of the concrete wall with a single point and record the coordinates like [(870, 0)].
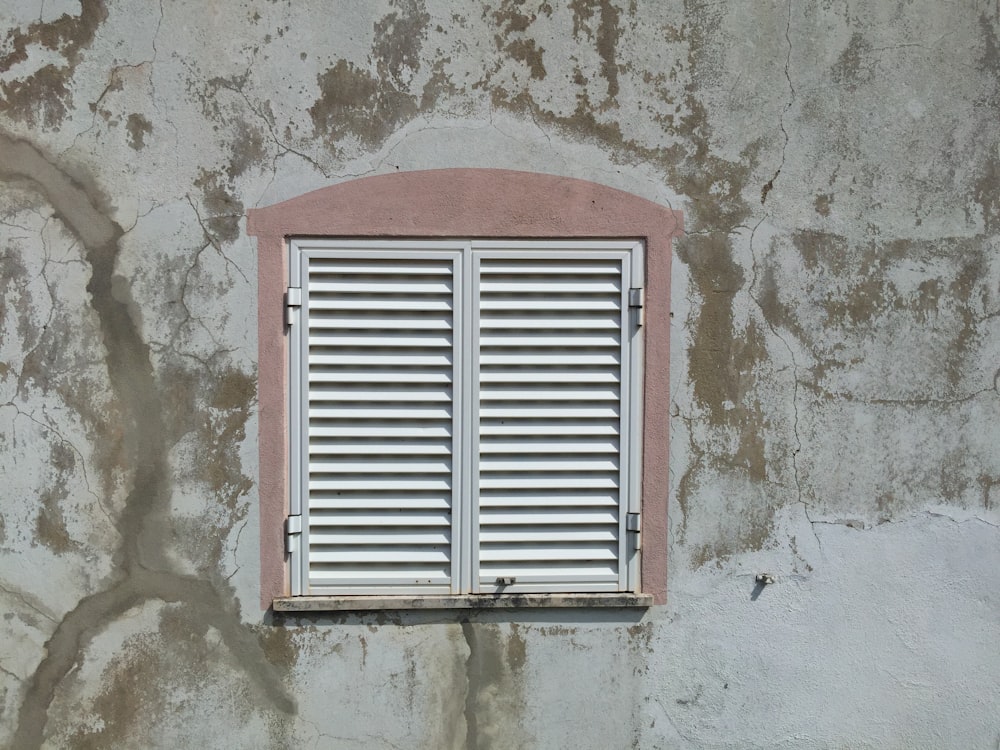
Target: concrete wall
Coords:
[(835, 354)]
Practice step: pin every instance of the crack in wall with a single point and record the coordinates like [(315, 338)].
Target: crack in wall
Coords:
[(143, 569), (769, 185), (796, 381)]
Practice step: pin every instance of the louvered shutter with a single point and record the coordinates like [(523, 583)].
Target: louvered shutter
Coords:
[(378, 419), (553, 422)]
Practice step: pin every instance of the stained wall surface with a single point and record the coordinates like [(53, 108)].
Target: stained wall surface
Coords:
[(834, 374)]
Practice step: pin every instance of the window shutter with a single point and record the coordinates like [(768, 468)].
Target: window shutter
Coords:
[(553, 421), (378, 342)]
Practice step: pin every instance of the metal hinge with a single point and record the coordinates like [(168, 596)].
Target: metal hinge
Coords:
[(636, 300), (293, 303), (633, 526), (293, 532)]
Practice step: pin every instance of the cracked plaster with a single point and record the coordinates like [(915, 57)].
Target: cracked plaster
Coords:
[(834, 367)]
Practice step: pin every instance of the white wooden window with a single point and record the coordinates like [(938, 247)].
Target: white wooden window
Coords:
[(465, 416)]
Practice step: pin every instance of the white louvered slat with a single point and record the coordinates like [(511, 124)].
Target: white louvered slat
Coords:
[(331, 429), (385, 304), (347, 519), (518, 552), (502, 357), (571, 304), (530, 464), (379, 452), (557, 284), (377, 322), (586, 498), (527, 481), (344, 535), (398, 503), (408, 413), (362, 268), (551, 393), (575, 446), (545, 516), (345, 376), (533, 428), (323, 392), (560, 341), (382, 339), (327, 464), (368, 288), (380, 360), (321, 447), (549, 419), (547, 376), (567, 322), (379, 482)]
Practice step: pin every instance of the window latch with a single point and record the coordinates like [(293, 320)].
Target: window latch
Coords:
[(636, 300), (293, 533), (293, 303)]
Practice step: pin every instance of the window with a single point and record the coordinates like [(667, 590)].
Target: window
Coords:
[(464, 416), (539, 230)]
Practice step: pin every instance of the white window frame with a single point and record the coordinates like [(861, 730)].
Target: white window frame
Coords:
[(467, 255)]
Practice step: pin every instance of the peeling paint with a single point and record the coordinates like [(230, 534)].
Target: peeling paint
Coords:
[(354, 104), (605, 36), (44, 97)]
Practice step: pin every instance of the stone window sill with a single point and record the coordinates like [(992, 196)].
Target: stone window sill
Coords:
[(480, 601)]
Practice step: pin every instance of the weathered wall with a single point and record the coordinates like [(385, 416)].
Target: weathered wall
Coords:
[(835, 382)]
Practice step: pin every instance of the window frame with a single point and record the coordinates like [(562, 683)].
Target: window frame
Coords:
[(467, 256), (489, 204)]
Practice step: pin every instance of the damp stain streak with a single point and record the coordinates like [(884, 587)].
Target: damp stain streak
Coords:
[(143, 571)]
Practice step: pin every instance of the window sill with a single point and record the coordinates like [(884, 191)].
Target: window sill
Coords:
[(473, 601)]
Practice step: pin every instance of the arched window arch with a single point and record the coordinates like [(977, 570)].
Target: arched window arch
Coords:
[(502, 223)]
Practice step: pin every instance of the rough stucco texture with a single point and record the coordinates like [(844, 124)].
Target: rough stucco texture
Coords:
[(835, 392)]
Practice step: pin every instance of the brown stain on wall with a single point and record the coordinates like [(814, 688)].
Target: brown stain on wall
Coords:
[(512, 20), (248, 149), (153, 673), (860, 296), (353, 103), (232, 393), (397, 41), (224, 210), (494, 688), (138, 128), (855, 66), (43, 97), (50, 523), (605, 37)]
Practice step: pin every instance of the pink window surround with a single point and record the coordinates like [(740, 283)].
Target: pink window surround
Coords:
[(460, 203)]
